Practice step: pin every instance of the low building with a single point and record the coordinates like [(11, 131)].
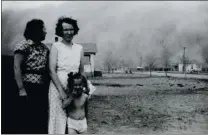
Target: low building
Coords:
[(205, 67), (192, 65), (90, 50), (140, 68)]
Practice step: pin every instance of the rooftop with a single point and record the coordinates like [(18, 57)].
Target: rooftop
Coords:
[(89, 47)]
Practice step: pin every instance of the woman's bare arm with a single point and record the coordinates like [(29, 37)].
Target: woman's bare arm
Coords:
[(52, 68), (81, 67), (86, 106), (67, 102), (18, 59)]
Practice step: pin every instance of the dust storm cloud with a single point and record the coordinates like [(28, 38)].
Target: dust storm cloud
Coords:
[(127, 30)]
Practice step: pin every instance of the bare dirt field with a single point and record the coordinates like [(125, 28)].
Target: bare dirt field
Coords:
[(128, 104), (138, 104)]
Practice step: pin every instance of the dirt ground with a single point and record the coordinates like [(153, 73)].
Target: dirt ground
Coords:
[(138, 104)]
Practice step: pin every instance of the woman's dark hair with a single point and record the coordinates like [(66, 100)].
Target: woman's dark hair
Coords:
[(61, 20), (34, 30)]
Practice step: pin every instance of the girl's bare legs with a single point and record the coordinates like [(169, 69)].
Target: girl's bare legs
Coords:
[(84, 132), (72, 131)]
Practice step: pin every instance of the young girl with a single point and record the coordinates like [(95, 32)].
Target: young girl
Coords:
[(76, 104)]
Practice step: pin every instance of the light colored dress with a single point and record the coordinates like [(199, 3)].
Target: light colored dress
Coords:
[(68, 60)]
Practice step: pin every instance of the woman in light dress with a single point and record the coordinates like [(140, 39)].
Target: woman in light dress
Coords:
[(65, 57)]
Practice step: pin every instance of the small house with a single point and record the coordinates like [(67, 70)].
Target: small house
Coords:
[(193, 65), (90, 50), (140, 68), (205, 67)]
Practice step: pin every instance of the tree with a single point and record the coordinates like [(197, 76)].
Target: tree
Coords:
[(165, 57), (131, 48), (205, 53), (165, 33), (150, 62), (110, 62)]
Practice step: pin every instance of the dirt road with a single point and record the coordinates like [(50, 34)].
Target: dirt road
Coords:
[(180, 75)]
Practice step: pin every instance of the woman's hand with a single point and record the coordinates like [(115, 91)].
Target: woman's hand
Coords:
[(22, 92), (63, 95)]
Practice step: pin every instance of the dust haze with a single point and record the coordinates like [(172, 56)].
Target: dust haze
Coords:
[(126, 30)]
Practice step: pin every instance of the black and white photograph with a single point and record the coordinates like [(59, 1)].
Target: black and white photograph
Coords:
[(104, 67)]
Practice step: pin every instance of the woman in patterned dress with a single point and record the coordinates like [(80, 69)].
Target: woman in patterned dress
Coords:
[(32, 78), (65, 57)]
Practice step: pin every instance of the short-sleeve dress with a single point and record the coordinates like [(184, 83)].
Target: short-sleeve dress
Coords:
[(35, 79)]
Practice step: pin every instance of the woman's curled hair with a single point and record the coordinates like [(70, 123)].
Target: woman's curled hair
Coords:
[(61, 20)]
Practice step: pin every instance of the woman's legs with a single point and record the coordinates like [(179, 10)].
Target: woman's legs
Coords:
[(84, 132), (38, 108)]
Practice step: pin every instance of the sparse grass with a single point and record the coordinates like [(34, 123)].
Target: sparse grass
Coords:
[(123, 106)]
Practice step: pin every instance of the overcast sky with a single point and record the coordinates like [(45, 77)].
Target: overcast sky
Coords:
[(27, 4), (111, 22), (35, 4)]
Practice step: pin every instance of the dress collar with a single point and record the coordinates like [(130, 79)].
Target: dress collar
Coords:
[(30, 42)]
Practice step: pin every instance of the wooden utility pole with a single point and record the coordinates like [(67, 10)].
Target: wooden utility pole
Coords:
[(184, 61), (141, 61)]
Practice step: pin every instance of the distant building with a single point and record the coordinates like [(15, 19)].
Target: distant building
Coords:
[(90, 50), (205, 67), (174, 66), (170, 67), (192, 65), (140, 68)]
